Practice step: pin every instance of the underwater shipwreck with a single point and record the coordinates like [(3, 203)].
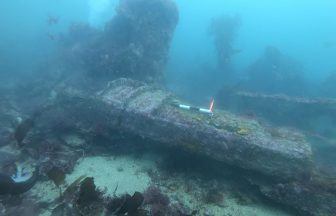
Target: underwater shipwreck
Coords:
[(104, 96)]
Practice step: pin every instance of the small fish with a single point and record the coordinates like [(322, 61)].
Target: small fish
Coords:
[(52, 20), (51, 36)]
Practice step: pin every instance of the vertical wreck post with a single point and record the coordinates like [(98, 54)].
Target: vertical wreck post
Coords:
[(136, 41)]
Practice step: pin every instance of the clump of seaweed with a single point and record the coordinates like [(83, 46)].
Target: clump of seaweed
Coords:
[(159, 202), (56, 175), (54, 157), (81, 197), (153, 195), (224, 31), (87, 192), (126, 205), (89, 201)]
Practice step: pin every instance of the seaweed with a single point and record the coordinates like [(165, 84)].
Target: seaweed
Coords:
[(114, 204), (224, 30), (89, 200), (132, 203), (71, 189), (66, 199), (81, 197), (153, 195), (88, 193), (126, 205), (56, 175)]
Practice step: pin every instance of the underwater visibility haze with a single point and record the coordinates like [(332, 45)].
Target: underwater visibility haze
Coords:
[(167, 108)]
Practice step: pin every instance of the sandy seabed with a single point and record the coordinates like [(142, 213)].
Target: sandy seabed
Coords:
[(125, 174)]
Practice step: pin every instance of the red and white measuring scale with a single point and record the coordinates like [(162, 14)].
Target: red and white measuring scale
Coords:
[(201, 110)]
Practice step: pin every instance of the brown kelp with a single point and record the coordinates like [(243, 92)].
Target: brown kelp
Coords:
[(224, 31)]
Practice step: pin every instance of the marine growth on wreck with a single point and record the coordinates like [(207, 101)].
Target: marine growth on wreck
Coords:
[(166, 108)]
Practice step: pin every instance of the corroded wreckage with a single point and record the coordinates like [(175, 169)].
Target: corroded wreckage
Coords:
[(134, 43), (299, 112), (148, 112), (74, 111)]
